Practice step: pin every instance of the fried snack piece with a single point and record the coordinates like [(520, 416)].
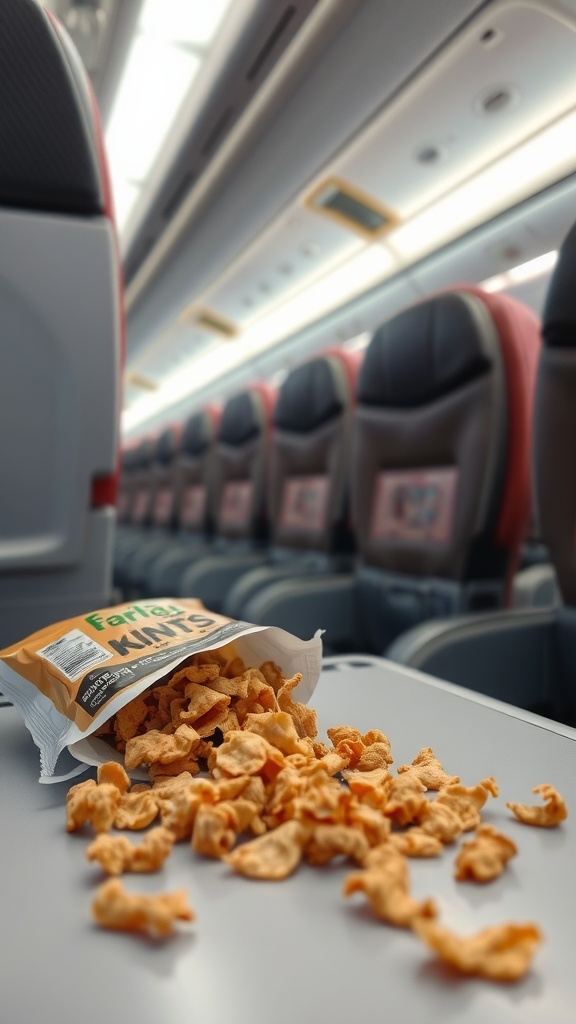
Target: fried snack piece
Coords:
[(405, 799), (272, 674), (377, 755), (117, 909), (553, 812), (114, 773), (136, 810), (467, 801), (277, 727), (484, 857), (429, 770), (116, 854), (370, 821), (187, 765), (216, 827), (385, 882), (88, 802), (370, 786), (416, 843), (206, 708), (441, 821), (245, 753), (206, 673), (127, 720), (154, 747), (501, 953), (179, 805), (272, 856), (329, 841), (303, 716)]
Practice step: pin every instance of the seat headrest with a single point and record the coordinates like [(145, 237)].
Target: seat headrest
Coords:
[(424, 352), (144, 453), (243, 418), (168, 445), (312, 394), (48, 155), (198, 433), (559, 316)]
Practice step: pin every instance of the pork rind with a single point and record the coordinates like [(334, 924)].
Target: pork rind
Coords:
[(553, 812), (273, 856), (114, 773), (440, 820), (136, 810), (246, 753), (428, 770), (485, 856), (117, 854), (467, 801), (329, 841), (156, 747), (277, 727), (117, 909), (89, 803), (385, 883), (405, 799), (416, 843), (501, 953)]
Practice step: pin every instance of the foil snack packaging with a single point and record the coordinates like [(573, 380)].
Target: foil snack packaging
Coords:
[(69, 678)]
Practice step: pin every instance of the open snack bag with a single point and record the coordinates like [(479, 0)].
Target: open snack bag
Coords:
[(71, 680)]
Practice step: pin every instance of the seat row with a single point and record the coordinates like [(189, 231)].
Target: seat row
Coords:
[(370, 494)]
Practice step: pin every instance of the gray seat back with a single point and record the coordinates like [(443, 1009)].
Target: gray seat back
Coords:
[(241, 466), (441, 459), (163, 497), (193, 473), (309, 465), (555, 423), (60, 324)]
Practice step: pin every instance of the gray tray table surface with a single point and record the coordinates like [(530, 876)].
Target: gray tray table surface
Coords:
[(281, 952)]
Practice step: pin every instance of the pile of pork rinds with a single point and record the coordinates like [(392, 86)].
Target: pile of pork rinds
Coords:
[(268, 782)]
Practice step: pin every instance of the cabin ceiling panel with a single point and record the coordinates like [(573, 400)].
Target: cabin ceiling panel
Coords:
[(381, 47)]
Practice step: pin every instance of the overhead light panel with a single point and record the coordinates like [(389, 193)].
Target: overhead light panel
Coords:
[(207, 320), (190, 22), (351, 208), (171, 42)]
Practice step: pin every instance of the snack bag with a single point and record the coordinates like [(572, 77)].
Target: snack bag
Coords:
[(68, 679)]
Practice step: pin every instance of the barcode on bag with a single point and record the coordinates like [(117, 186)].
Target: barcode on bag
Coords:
[(74, 653)]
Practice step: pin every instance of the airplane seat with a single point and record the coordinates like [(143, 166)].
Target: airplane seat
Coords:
[(128, 461), (61, 323), (528, 657), (308, 481), (193, 475), (239, 506), (161, 511), (131, 534), (440, 475)]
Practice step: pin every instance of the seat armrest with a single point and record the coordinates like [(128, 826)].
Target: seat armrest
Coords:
[(507, 655), (249, 584), (535, 587), (211, 578), (302, 606)]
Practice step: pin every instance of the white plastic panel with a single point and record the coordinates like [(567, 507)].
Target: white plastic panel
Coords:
[(532, 54), (523, 234), (292, 252), (59, 387)]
